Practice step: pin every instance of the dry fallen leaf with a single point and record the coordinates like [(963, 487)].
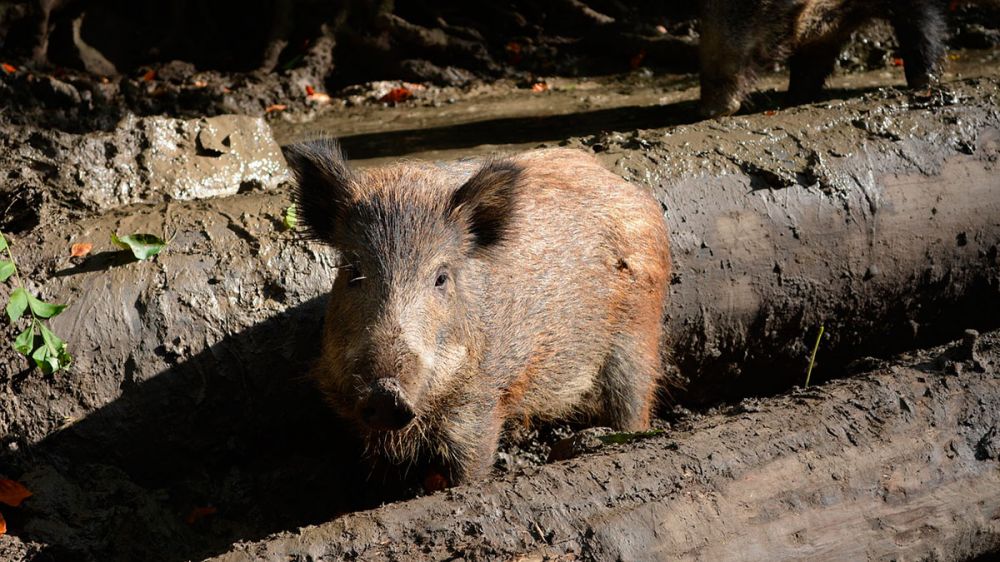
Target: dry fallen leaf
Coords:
[(636, 60), (318, 98), (8, 68), (200, 84), (310, 91), (540, 87), (199, 513), (396, 95), (770, 113), (434, 482), (3, 525), (514, 52), (897, 62), (80, 249), (12, 493), (149, 76), (275, 107)]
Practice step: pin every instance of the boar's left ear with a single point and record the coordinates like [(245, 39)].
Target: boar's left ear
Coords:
[(323, 185), (486, 201)]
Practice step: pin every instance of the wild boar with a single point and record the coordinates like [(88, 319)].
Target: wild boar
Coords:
[(739, 36), (524, 287)]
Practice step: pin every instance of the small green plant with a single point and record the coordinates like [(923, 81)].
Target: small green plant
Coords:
[(37, 341), (143, 246), (812, 358), (291, 217), (629, 436)]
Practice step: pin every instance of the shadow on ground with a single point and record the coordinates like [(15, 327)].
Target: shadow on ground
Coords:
[(229, 445)]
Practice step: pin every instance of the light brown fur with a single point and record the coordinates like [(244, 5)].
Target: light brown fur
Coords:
[(560, 317)]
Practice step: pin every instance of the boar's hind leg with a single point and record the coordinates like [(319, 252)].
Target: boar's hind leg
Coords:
[(810, 65), (919, 27), (628, 378)]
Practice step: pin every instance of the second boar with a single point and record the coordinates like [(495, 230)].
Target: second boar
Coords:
[(739, 36)]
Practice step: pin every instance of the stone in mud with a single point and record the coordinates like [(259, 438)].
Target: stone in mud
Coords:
[(143, 160)]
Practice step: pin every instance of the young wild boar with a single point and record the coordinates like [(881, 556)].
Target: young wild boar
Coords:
[(738, 36), (523, 287)]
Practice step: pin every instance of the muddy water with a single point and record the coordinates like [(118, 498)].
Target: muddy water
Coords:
[(509, 117)]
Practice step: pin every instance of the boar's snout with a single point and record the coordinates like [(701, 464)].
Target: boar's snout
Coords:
[(386, 407)]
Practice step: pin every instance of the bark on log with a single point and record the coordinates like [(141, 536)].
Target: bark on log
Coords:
[(900, 463)]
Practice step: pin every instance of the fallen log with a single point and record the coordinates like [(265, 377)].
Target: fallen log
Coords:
[(897, 463), (877, 217)]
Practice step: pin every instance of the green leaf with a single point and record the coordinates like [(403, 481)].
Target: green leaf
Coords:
[(143, 246), (3, 242), (55, 356), (291, 217), (25, 341), (43, 309), (6, 270), (17, 304)]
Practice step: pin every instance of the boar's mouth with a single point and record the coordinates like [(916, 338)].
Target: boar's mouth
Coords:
[(385, 406)]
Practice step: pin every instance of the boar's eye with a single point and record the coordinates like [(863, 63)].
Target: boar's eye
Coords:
[(441, 280)]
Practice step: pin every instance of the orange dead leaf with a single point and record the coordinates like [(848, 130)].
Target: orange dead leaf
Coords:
[(12, 493), (539, 87), (3, 525), (770, 113), (636, 60), (318, 98), (434, 482), (80, 249), (275, 107), (199, 513), (200, 84), (310, 91), (8, 68), (149, 76), (226, 90), (897, 62), (396, 95), (513, 52)]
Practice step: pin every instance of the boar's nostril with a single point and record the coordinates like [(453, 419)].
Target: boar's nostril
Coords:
[(386, 408)]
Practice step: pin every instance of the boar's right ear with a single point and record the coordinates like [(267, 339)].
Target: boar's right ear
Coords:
[(323, 185), (485, 202)]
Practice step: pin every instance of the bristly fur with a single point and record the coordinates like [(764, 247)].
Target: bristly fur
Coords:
[(529, 287), (323, 185), (486, 201)]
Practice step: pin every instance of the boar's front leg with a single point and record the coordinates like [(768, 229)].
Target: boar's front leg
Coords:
[(919, 27), (471, 434), (809, 67)]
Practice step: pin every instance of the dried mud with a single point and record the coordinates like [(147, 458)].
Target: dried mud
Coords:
[(877, 216)]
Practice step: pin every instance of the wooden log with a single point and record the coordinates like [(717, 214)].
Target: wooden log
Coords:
[(897, 463)]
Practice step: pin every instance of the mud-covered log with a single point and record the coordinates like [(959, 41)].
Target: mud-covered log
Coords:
[(898, 463)]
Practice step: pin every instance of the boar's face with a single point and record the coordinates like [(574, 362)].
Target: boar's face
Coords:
[(402, 328)]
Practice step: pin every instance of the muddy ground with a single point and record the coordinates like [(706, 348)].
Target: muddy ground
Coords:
[(186, 391)]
